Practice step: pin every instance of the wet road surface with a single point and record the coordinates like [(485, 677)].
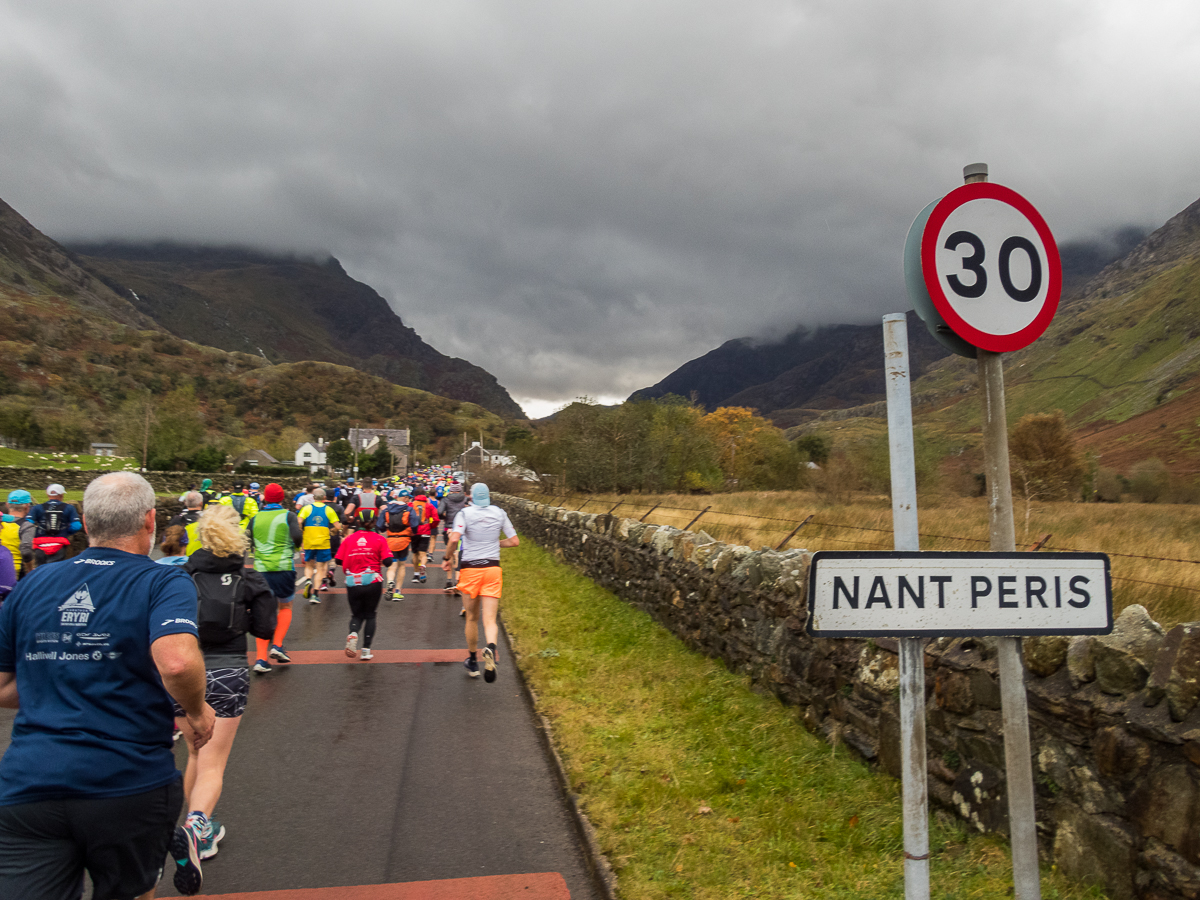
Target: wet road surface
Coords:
[(400, 777)]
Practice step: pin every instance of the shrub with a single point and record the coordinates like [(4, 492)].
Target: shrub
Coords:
[(1149, 481)]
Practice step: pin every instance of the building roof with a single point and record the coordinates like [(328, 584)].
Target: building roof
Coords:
[(397, 438)]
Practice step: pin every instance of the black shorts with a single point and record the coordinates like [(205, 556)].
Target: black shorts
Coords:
[(420, 543), (364, 599), (225, 691), (121, 841)]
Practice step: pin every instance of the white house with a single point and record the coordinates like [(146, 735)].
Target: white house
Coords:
[(312, 455)]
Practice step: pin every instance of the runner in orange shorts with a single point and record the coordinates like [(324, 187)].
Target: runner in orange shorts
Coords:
[(479, 527)]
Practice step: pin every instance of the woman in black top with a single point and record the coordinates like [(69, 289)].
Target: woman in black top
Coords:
[(233, 600)]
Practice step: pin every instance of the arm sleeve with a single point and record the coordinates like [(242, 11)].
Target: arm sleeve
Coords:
[(172, 604), (264, 606), (74, 523), (294, 528), (8, 572), (28, 529)]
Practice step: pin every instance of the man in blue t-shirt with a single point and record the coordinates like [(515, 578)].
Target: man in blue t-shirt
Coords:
[(92, 650)]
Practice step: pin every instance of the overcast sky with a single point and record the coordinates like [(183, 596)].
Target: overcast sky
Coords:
[(580, 196)]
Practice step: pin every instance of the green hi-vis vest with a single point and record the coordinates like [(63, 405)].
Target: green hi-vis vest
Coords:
[(273, 547)]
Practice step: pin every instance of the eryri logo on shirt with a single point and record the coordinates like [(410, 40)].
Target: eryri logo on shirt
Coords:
[(78, 609)]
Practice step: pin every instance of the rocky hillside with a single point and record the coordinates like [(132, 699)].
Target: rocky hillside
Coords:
[(285, 309)]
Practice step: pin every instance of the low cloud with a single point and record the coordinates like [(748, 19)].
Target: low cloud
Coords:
[(580, 197)]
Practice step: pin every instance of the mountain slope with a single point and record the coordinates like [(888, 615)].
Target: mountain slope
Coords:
[(37, 265), (286, 309), (1122, 360), (75, 355), (795, 379)]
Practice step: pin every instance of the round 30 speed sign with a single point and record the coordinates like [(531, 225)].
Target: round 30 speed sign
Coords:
[(991, 266)]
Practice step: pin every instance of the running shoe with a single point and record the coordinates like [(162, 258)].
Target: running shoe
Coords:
[(366, 653), (472, 667), (352, 644), (176, 734), (208, 843), (463, 612), (277, 652), (391, 587), (185, 850), (416, 577), (489, 665), (422, 576), (448, 589), (261, 666), (305, 587)]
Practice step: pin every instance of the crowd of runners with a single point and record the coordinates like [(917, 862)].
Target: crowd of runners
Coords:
[(168, 640)]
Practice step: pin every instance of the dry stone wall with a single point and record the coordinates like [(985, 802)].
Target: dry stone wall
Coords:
[(36, 480), (1114, 720)]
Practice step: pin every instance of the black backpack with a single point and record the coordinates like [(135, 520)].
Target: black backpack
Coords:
[(221, 615), (397, 519), (54, 519)]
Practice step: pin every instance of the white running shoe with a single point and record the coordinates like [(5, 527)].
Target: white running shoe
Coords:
[(366, 653), (352, 644)]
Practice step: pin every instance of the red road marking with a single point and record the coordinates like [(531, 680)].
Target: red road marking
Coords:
[(329, 657), (536, 886)]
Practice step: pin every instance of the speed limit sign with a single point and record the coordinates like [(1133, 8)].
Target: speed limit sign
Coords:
[(991, 266)]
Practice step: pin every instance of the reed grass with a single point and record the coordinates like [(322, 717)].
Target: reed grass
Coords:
[(1144, 540)]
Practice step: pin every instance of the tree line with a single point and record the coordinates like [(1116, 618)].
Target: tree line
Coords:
[(665, 444)]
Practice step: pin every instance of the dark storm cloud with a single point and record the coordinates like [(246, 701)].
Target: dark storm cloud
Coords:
[(581, 196)]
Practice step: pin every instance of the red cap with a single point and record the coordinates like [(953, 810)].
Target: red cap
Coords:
[(273, 493)]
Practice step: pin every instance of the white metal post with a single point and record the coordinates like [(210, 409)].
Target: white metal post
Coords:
[(914, 784)]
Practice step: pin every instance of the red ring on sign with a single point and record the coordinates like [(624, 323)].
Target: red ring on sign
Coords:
[(997, 343)]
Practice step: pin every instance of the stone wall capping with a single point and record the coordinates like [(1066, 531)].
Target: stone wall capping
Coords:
[(1114, 720)]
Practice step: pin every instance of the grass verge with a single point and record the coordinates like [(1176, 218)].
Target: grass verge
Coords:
[(700, 788)]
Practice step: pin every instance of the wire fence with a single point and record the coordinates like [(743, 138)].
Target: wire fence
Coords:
[(796, 527)]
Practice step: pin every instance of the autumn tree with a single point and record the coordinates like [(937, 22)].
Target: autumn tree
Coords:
[(753, 452), (1045, 464)]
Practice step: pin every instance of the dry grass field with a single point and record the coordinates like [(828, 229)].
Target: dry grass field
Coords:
[(1154, 548)]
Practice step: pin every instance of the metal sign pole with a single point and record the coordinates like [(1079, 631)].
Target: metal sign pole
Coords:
[(1018, 763), (915, 786)]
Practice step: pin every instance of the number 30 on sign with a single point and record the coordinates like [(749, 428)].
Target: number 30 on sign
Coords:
[(991, 266)]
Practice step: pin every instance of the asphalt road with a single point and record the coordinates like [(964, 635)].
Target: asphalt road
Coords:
[(394, 779)]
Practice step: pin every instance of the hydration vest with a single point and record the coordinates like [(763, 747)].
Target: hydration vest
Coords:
[(53, 521)]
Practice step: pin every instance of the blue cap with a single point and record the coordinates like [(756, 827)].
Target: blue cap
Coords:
[(480, 495), (20, 497), (254, 485)]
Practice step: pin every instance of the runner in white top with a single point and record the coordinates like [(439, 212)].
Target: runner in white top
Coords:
[(479, 527)]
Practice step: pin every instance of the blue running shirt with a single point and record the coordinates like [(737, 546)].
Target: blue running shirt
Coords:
[(95, 719)]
